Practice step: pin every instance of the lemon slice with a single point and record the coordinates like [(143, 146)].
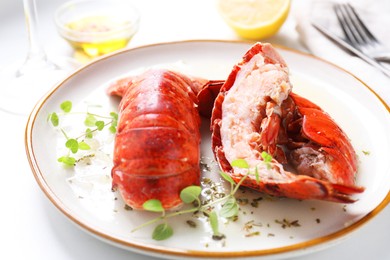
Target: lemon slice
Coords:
[(254, 19)]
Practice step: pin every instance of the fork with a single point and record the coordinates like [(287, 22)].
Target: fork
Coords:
[(357, 33)]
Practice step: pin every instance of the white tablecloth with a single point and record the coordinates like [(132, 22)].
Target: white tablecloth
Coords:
[(31, 227)]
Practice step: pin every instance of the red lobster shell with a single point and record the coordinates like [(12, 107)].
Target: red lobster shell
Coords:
[(156, 151), (256, 111)]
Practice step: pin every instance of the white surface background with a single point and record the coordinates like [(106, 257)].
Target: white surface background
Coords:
[(31, 227)]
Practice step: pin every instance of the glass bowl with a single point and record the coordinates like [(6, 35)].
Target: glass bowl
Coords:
[(97, 27)]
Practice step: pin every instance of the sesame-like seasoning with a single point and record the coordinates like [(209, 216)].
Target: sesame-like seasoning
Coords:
[(256, 233), (191, 223), (242, 201), (218, 237), (206, 180), (127, 207), (285, 223), (205, 166), (255, 202), (234, 218)]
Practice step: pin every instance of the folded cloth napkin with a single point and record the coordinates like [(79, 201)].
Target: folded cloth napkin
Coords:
[(374, 13)]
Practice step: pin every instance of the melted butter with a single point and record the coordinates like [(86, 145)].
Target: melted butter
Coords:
[(102, 36)]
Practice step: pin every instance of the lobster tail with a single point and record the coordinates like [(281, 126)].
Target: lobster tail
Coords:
[(156, 151), (256, 112)]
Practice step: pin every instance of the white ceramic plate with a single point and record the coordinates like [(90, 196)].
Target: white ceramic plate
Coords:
[(84, 194)]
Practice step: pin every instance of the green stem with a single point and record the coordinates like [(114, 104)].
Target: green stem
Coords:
[(201, 208), (164, 217), (239, 183), (100, 116), (215, 201), (84, 113), (148, 223), (64, 133), (178, 213), (93, 130)]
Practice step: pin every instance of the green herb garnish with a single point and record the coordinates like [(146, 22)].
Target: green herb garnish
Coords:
[(94, 124), (267, 159), (190, 195)]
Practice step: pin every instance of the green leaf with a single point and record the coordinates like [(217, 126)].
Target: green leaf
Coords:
[(54, 119), (114, 123), (227, 177), (84, 146), (73, 145), (229, 208), (190, 194), (153, 205), (162, 232), (66, 106), (240, 163), (99, 125), (213, 217), (114, 116), (257, 175), (112, 129), (68, 160), (266, 156), (88, 133), (90, 120), (267, 159)]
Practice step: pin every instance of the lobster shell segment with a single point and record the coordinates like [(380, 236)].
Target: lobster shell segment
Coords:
[(321, 131), (257, 112), (156, 151)]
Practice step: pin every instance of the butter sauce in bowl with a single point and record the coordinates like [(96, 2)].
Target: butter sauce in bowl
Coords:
[(97, 27)]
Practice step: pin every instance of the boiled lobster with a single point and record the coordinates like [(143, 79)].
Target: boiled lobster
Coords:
[(256, 112), (156, 151)]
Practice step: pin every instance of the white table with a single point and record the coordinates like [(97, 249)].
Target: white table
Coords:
[(31, 227)]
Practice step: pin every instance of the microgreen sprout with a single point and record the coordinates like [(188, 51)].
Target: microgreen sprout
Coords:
[(191, 196), (267, 159), (162, 232), (92, 121)]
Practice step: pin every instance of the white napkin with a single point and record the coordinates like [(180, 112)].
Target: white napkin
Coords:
[(374, 13)]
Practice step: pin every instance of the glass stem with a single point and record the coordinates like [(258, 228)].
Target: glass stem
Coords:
[(36, 56)]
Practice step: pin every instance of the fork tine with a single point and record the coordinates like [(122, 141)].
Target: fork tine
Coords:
[(351, 22), (355, 29), (361, 24), (361, 41), (345, 25)]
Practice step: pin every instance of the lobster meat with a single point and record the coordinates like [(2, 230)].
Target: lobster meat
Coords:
[(256, 112), (157, 151)]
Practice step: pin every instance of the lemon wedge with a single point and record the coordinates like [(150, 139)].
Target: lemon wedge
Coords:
[(254, 19)]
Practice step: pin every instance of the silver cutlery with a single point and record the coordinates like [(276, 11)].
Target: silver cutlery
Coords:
[(357, 33), (347, 44), (351, 48)]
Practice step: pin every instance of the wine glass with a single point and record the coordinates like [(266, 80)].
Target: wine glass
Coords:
[(21, 86)]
